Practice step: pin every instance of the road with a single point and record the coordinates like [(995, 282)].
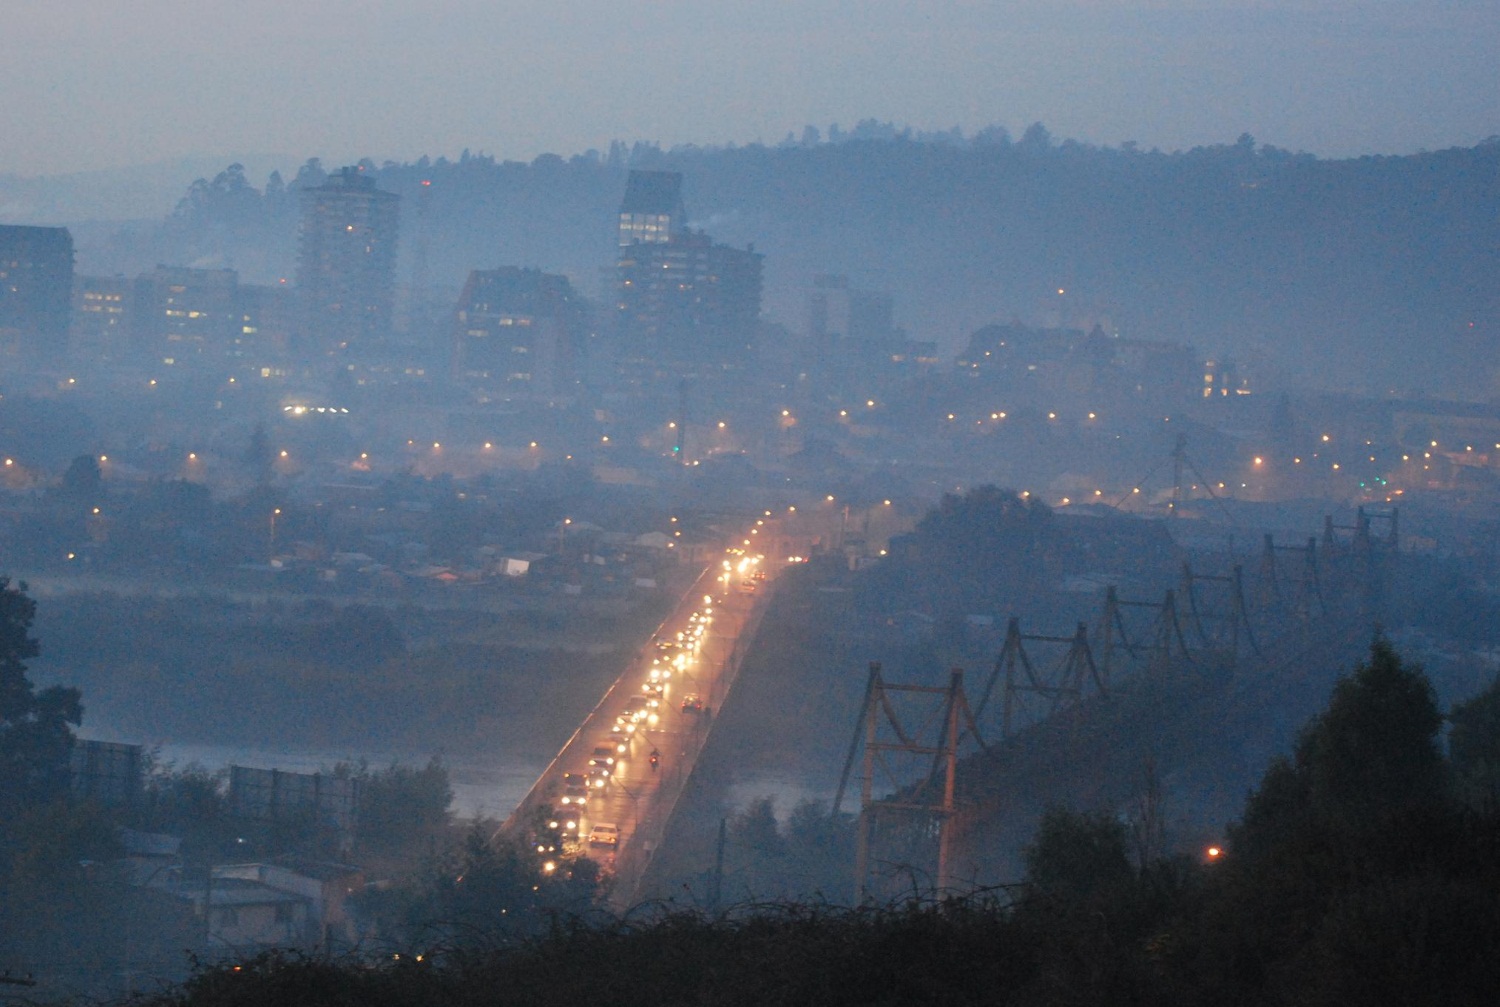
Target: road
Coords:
[(638, 799)]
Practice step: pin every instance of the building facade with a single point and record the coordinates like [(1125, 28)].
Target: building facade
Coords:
[(651, 212), (36, 291), (102, 324), (684, 306), (185, 317), (517, 332), (346, 264)]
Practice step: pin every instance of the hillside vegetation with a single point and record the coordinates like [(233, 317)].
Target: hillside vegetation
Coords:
[(1352, 266)]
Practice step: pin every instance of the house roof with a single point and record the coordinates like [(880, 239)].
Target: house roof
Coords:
[(149, 844)]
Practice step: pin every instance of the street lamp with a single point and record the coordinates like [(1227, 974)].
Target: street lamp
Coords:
[(276, 512)]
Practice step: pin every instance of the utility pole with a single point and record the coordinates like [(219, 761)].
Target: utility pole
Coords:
[(677, 448), (1179, 456), (950, 774), (867, 786), (716, 892)]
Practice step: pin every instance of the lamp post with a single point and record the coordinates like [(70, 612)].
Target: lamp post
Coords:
[(275, 512)]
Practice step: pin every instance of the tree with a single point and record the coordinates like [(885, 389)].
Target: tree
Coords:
[(1373, 753), (1367, 760), (401, 806), (820, 848), (83, 481), (1078, 856), (980, 551), (258, 454), (36, 736), (1036, 137), (1334, 845), (1474, 748)]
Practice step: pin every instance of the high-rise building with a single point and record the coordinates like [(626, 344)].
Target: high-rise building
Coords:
[(185, 317), (852, 343), (36, 291), (862, 320), (517, 332), (346, 264), (651, 212), (683, 305)]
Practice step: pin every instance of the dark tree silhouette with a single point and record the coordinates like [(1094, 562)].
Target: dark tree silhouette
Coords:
[(1474, 748), (36, 736)]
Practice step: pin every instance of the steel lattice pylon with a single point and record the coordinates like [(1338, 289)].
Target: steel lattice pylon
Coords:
[(1163, 639), (1062, 689), (885, 734)]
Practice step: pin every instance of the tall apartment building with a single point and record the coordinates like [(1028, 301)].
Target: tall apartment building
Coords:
[(346, 264), (652, 212), (845, 319), (852, 341), (36, 291), (684, 306), (517, 332)]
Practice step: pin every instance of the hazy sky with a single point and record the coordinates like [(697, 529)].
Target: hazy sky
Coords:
[(88, 84)]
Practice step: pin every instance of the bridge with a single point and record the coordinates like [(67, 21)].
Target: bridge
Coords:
[(1076, 715), (639, 798)]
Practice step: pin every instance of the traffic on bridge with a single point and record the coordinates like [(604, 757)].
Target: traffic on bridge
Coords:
[(610, 792)]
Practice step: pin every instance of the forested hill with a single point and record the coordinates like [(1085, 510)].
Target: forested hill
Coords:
[(1378, 268)]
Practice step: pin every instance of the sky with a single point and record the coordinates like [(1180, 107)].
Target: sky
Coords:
[(99, 84)]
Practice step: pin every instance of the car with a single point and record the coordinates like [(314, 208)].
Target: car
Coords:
[(692, 703), (575, 790), (598, 777), (604, 834), (653, 689), (563, 822), (620, 740), (602, 766), (604, 755)]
